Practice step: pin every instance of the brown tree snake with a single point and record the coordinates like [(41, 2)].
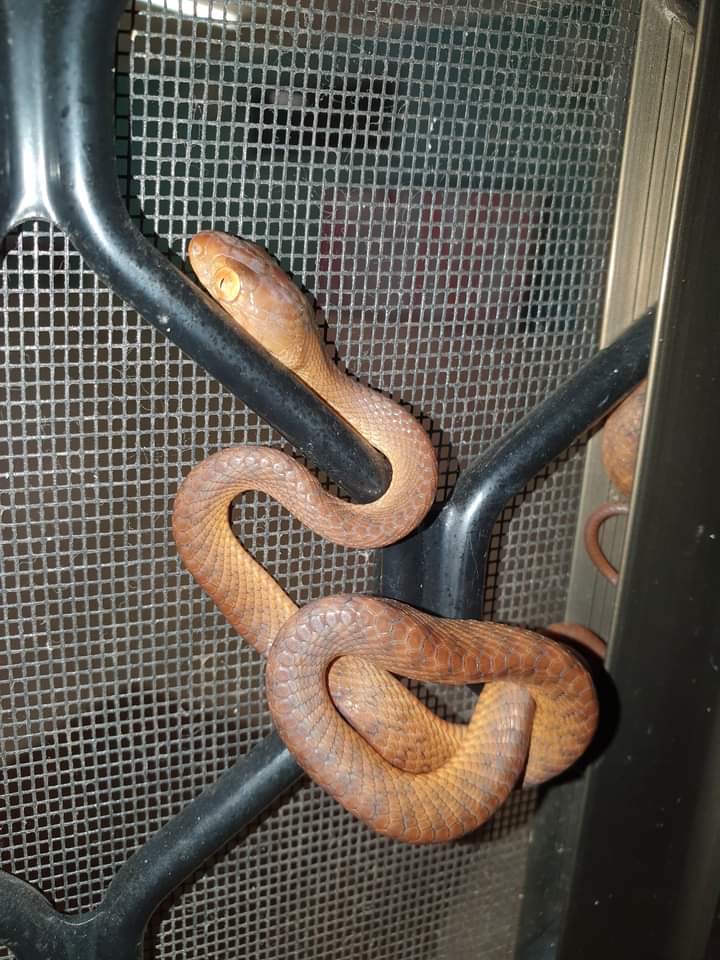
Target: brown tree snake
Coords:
[(332, 694)]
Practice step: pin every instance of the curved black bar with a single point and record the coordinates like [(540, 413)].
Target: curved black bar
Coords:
[(35, 931), (204, 826), (460, 533), (59, 163), (26, 918)]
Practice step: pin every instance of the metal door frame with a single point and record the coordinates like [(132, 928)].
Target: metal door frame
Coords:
[(626, 862), (57, 163)]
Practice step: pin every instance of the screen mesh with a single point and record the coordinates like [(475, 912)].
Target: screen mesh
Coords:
[(442, 177)]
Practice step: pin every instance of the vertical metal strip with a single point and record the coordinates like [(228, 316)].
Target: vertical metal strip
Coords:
[(646, 868), (650, 165), (651, 157)]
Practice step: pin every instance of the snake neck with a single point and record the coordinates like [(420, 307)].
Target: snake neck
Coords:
[(394, 432), (246, 594)]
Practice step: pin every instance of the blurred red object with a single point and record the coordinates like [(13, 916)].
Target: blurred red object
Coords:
[(408, 251)]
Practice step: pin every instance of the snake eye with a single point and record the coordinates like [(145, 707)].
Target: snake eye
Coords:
[(227, 284)]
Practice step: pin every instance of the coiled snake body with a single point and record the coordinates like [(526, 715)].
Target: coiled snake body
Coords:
[(390, 761)]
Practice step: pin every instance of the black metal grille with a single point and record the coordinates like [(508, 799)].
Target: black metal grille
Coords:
[(441, 176)]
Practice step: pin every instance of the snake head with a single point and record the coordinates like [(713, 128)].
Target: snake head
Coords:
[(256, 292)]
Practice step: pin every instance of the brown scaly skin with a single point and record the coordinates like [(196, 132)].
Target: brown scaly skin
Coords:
[(591, 534), (538, 685), (621, 439), (619, 451), (402, 770)]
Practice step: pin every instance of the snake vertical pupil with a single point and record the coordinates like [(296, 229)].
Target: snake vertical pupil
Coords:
[(227, 284)]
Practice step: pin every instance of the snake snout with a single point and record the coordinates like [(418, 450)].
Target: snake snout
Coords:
[(204, 248), (199, 246), (196, 247)]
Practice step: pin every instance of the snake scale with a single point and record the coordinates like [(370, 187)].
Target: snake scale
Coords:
[(347, 720)]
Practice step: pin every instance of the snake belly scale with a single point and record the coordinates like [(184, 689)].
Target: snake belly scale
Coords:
[(332, 694)]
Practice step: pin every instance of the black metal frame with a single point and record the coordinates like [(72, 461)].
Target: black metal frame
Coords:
[(114, 931), (460, 532), (57, 163)]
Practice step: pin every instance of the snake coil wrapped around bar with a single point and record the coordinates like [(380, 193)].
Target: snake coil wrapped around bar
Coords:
[(349, 722)]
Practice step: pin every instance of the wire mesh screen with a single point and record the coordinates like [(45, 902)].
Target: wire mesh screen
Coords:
[(441, 176)]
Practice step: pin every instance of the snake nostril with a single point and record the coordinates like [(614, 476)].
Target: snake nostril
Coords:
[(196, 247)]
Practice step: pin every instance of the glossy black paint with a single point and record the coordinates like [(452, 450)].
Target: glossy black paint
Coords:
[(460, 533)]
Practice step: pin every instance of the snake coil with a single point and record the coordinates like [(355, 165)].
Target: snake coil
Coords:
[(333, 697)]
